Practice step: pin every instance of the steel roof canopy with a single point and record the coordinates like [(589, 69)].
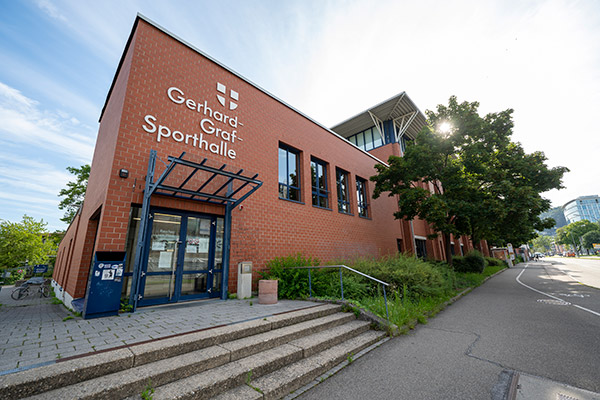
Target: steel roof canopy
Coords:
[(393, 108)]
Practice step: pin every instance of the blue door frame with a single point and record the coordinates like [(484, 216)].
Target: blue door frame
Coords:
[(236, 184), (179, 274)]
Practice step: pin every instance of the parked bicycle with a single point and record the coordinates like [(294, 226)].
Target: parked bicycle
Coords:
[(27, 289)]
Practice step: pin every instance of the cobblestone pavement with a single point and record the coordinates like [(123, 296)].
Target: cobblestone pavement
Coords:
[(34, 331)]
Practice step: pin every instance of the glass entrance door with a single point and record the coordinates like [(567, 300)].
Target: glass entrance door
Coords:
[(184, 258), (161, 268), (197, 265)]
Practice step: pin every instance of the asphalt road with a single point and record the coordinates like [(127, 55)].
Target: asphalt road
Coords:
[(584, 270), (532, 319)]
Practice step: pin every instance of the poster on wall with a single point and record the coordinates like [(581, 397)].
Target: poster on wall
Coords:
[(197, 244), (164, 260)]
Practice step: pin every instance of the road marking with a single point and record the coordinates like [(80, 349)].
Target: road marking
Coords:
[(549, 295), (555, 302)]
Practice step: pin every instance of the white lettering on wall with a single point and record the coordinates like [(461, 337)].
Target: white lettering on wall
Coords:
[(214, 124), (220, 147)]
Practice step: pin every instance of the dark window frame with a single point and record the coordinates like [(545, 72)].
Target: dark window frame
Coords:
[(362, 196), (287, 185), (343, 192), (421, 249), (318, 193)]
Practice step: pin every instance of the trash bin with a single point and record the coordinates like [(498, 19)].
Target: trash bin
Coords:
[(103, 295)]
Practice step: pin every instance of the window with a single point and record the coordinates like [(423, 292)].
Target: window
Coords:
[(342, 191), (318, 173), (361, 197), (421, 248), (289, 180), (367, 139)]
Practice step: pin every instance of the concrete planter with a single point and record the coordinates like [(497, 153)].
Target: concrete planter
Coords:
[(267, 291)]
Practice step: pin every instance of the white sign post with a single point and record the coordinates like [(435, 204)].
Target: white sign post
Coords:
[(511, 254)]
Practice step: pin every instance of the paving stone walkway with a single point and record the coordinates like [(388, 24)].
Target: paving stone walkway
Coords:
[(34, 331)]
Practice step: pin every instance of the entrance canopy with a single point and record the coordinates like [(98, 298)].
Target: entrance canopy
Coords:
[(199, 181), (194, 181)]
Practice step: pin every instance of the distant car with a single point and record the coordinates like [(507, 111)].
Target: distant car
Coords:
[(571, 254)]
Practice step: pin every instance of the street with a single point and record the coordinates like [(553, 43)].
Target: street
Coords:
[(532, 319), (584, 270)]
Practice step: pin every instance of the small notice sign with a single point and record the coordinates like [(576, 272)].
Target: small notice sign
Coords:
[(597, 246), (40, 269)]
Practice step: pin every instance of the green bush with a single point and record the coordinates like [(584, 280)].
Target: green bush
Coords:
[(293, 283), (420, 277), (494, 262), (15, 275), (472, 262)]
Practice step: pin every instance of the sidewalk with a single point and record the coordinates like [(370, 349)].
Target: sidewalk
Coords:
[(34, 331)]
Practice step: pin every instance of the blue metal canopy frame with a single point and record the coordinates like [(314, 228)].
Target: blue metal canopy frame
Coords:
[(224, 195)]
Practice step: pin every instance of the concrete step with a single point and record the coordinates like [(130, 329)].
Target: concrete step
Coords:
[(131, 381), (84, 369), (253, 344), (217, 380), (286, 380), (237, 377)]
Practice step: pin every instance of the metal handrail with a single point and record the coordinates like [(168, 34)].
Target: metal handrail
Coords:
[(340, 267)]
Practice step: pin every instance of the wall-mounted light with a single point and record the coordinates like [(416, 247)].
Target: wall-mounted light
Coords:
[(123, 173)]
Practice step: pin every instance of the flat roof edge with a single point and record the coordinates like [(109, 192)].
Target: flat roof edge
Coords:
[(194, 48)]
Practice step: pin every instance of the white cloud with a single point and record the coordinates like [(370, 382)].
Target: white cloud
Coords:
[(51, 10), (24, 123)]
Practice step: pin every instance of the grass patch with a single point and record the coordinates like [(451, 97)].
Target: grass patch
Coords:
[(418, 289)]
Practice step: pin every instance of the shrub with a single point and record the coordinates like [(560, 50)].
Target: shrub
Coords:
[(293, 283), (472, 262), (519, 259), (494, 262), (420, 277)]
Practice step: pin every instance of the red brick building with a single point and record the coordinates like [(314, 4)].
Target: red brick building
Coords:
[(258, 180)]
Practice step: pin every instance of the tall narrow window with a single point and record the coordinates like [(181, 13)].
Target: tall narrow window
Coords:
[(289, 179), (318, 173), (343, 191), (421, 248), (361, 197)]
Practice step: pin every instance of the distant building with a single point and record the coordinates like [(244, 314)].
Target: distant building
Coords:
[(583, 207)]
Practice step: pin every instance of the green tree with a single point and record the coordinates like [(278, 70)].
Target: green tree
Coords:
[(470, 179), (590, 238), (541, 243), (24, 241), (74, 192), (571, 234)]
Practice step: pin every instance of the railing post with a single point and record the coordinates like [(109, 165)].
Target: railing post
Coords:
[(341, 283), (387, 314), (309, 284)]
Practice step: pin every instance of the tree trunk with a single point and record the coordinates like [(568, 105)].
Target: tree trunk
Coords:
[(447, 244)]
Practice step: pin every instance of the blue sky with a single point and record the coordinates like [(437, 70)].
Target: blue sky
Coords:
[(329, 59)]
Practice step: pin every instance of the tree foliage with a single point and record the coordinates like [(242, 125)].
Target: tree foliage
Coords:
[(471, 179), (74, 192), (25, 241), (590, 238), (571, 234), (541, 243)]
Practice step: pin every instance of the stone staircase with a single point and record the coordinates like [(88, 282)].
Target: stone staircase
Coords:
[(260, 359)]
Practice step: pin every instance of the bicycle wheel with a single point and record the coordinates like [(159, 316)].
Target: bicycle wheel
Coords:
[(44, 291), (19, 293)]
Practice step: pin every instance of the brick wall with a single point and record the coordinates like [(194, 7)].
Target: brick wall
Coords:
[(266, 226)]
